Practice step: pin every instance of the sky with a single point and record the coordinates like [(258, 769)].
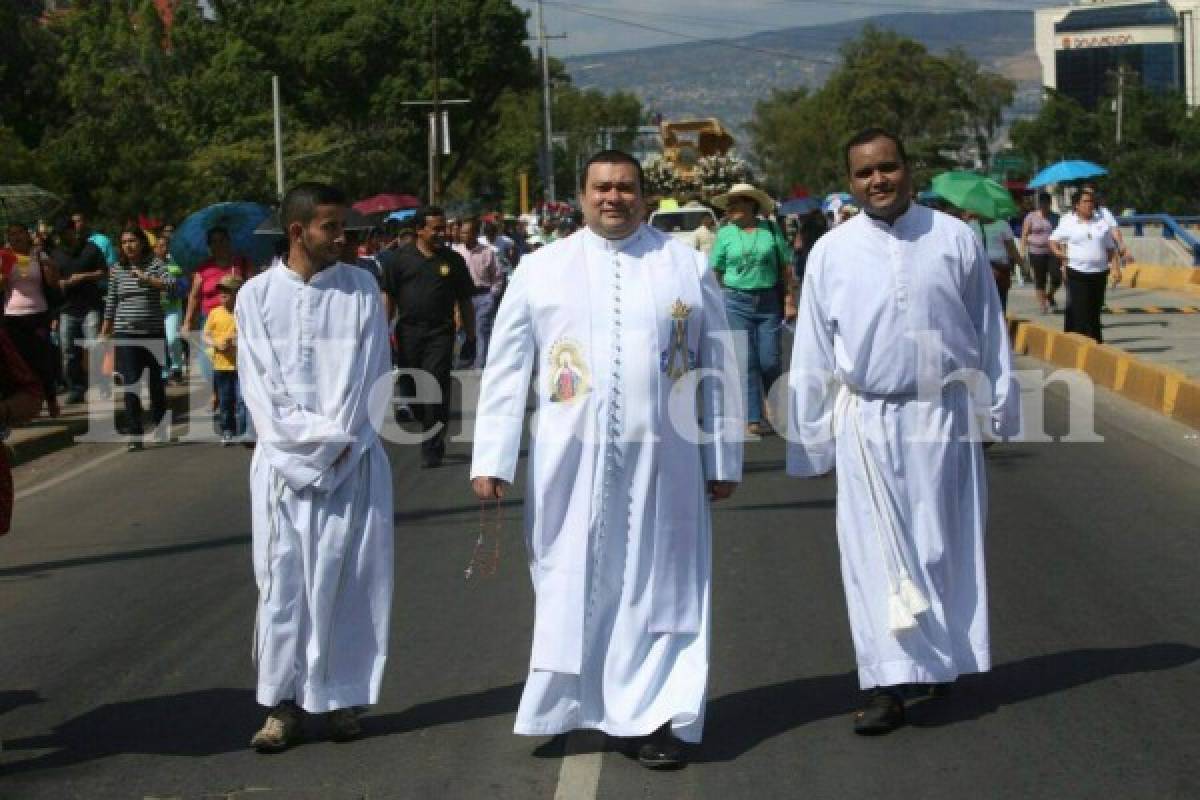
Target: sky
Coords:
[(597, 26)]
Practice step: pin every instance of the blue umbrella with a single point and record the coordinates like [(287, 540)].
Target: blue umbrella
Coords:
[(1066, 171), (798, 206), (835, 201), (189, 245)]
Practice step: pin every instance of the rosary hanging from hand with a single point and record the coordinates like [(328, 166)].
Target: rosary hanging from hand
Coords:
[(486, 557)]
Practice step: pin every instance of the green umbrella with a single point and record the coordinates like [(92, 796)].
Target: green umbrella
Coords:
[(26, 204), (972, 192)]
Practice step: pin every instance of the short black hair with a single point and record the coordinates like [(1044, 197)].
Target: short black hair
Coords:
[(613, 157), (1044, 199), (424, 213), (1079, 194), (213, 231), (868, 135), (301, 201)]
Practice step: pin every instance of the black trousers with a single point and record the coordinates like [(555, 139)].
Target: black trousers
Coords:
[(30, 334), (132, 362), (429, 348), (1085, 298)]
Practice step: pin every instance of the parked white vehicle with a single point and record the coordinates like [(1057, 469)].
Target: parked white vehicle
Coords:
[(682, 223)]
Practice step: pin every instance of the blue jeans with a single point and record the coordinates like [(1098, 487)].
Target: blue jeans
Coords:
[(485, 318), (756, 318), (172, 321), (229, 395), (72, 329)]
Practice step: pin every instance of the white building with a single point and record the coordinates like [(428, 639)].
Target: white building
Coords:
[(1081, 47)]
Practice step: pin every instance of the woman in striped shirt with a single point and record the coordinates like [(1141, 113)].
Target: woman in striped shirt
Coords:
[(133, 312)]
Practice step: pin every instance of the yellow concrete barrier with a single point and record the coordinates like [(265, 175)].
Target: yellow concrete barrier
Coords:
[(1033, 340), (1159, 276), (1147, 383), (1186, 408), (1068, 349), (1104, 364), (1163, 389)]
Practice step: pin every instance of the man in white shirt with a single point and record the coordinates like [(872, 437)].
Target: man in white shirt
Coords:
[(1085, 243), (314, 369), (901, 356), (626, 332)]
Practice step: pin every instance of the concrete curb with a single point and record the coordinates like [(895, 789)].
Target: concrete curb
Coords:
[(1163, 389), (46, 436)]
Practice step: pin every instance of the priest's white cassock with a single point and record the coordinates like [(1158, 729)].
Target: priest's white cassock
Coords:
[(628, 343), (314, 366), (895, 322)]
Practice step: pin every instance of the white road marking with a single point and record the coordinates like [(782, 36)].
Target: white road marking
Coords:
[(579, 776), (69, 474)]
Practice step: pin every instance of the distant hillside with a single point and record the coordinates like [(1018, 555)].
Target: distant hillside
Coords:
[(702, 79)]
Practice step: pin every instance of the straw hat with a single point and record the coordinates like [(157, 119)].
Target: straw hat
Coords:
[(230, 282), (765, 204)]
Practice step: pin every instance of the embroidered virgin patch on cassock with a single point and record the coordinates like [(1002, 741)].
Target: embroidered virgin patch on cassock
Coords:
[(677, 359), (569, 375)]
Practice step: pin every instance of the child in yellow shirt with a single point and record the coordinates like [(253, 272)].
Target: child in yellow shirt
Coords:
[(220, 337)]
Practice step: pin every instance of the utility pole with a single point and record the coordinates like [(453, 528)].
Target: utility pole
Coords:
[(1120, 101), (435, 120), (277, 113), (547, 127)]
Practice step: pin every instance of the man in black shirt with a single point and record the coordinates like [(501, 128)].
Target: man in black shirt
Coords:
[(82, 267), (423, 283)]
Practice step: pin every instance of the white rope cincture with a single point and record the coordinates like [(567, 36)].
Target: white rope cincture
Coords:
[(905, 599)]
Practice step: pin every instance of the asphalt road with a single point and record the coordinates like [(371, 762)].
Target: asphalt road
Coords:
[(126, 601)]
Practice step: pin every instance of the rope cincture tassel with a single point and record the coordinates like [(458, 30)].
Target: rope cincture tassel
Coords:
[(905, 598)]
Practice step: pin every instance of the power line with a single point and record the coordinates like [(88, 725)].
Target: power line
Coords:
[(689, 37), (591, 11)]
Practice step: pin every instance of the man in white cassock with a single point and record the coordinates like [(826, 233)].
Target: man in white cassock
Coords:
[(314, 368), (638, 426), (900, 364)]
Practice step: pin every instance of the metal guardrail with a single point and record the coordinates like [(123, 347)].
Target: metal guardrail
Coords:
[(1172, 228)]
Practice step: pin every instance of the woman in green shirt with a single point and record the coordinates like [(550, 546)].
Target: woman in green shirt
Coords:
[(751, 258)]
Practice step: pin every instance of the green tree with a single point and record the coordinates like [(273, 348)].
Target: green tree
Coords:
[(937, 104), (1156, 166)]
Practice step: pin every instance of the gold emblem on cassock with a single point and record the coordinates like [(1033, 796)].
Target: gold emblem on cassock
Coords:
[(677, 359), (444, 269)]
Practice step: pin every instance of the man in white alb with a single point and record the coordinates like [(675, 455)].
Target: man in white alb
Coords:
[(314, 368), (638, 427), (901, 353)]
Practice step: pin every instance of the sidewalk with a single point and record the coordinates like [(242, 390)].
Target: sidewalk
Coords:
[(45, 435), (1137, 321), (1151, 350)]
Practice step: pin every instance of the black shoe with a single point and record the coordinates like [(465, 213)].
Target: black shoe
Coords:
[(133, 447), (662, 750), (882, 713)]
